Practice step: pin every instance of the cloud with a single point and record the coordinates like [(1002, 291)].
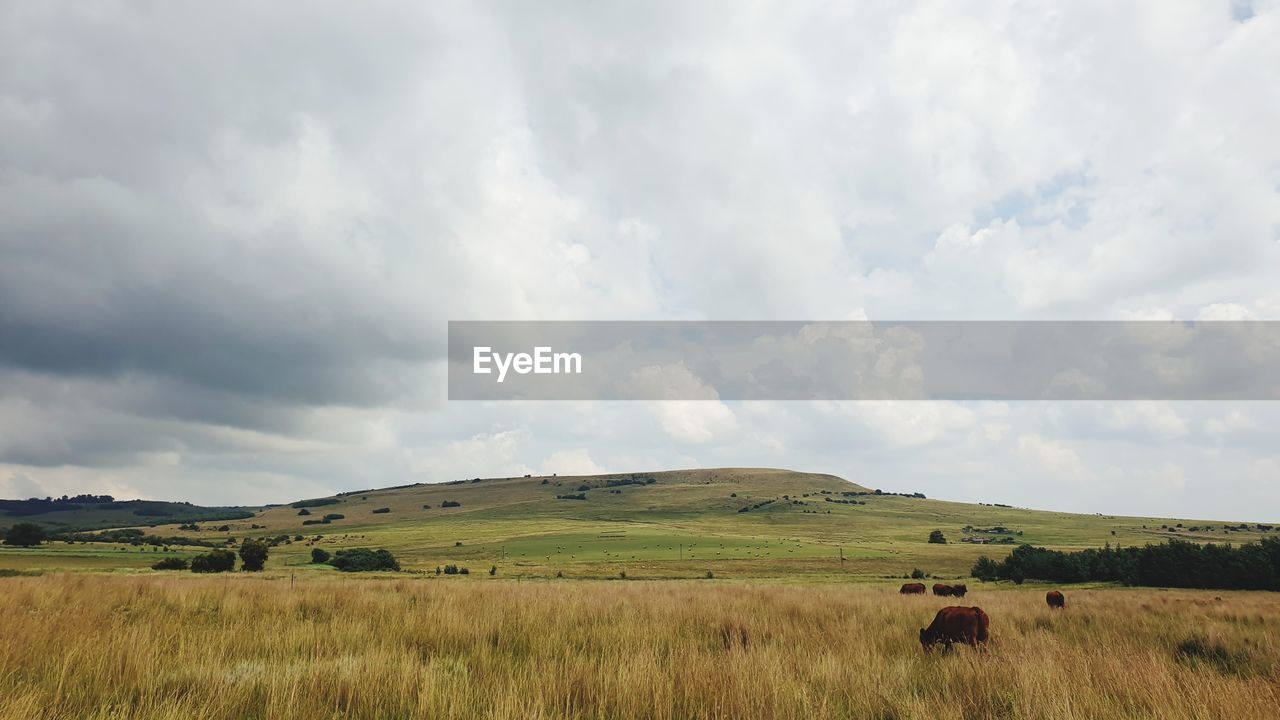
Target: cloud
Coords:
[(571, 462), (230, 238), (1051, 455)]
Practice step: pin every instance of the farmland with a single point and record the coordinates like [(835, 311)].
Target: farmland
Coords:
[(656, 596), (675, 524), (106, 646)]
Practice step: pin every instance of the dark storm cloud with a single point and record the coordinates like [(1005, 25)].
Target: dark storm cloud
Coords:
[(115, 254)]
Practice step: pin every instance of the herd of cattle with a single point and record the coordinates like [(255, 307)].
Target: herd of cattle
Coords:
[(966, 625)]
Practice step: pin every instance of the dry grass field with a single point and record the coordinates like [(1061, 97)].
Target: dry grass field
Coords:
[(85, 646)]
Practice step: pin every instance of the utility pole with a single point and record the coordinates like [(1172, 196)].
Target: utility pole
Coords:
[(842, 555), (681, 551)]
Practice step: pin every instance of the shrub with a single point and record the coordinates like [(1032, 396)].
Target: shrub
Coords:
[(253, 553), (215, 561), (623, 575), (334, 516), (304, 511), (710, 575), (319, 556), (364, 560), (937, 538), (315, 503), (918, 574), (493, 570), (381, 511), (171, 563), (450, 503), (25, 535)]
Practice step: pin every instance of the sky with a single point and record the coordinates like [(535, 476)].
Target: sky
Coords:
[(232, 234)]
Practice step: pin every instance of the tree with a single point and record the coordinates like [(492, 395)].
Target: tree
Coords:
[(215, 561), (319, 555), (493, 570), (25, 535), (254, 555), (363, 559), (937, 537), (986, 569)]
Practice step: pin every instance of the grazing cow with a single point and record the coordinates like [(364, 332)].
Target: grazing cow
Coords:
[(912, 589), (942, 590), (956, 625), (1055, 599)]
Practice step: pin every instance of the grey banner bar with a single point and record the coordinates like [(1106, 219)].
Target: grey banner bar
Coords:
[(857, 360)]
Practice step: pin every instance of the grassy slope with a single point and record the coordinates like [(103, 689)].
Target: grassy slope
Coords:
[(121, 513), (681, 526)]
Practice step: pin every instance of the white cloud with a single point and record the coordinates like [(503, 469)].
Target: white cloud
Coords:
[(571, 462), (226, 272), (1051, 455)]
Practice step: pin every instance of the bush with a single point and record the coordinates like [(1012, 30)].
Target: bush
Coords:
[(304, 511), (334, 516), (364, 560), (25, 535), (450, 503), (937, 538), (918, 574), (253, 553), (710, 575), (493, 570), (215, 561), (171, 563), (315, 503), (319, 556), (381, 511)]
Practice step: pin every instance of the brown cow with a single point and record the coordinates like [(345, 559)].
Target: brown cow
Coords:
[(1055, 599), (912, 589), (942, 590), (956, 625)]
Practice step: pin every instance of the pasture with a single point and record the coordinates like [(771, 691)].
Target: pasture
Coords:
[(681, 525), (91, 645)]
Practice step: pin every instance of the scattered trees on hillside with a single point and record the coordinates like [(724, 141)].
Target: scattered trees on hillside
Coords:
[(25, 535), (937, 537)]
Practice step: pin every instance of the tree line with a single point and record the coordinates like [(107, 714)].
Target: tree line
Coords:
[(1176, 563)]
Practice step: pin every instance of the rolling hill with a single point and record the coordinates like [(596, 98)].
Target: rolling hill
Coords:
[(94, 512), (683, 523)]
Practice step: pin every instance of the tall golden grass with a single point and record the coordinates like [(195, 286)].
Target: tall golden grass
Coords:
[(234, 647)]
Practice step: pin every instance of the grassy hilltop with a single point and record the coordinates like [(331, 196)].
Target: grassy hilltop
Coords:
[(680, 523)]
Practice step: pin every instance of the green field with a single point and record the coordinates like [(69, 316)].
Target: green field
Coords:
[(682, 524)]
